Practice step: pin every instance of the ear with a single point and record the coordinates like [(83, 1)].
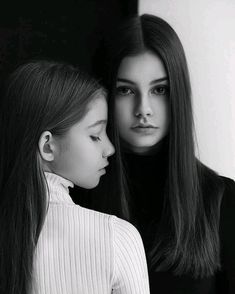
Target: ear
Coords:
[(46, 146)]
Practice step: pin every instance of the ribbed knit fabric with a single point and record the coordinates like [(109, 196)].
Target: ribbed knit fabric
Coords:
[(86, 252)]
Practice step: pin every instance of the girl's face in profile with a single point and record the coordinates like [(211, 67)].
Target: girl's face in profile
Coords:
[(82, 153), (141, 101)]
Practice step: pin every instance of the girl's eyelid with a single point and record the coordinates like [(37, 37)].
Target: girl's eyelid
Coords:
[(99, 133), (95, 138), (165, 86), (97, 130), (125, 87)]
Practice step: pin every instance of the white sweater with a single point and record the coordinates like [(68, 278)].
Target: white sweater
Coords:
[(86, 252)]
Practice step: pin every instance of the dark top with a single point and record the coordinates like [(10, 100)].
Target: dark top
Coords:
[(147, 176)]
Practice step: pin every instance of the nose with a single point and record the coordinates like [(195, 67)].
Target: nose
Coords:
[(109, 149), (143, 106)]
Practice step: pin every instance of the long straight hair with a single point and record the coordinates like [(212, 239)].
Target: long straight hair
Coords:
[(187, 239), (38, 96)]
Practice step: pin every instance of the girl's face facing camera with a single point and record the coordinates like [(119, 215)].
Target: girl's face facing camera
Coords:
[(82, 154), (141, 101)]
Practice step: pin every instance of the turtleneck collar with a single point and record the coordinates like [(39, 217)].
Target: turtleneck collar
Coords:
[(150, 163), (58, 188), (146, 178), (158, 149)]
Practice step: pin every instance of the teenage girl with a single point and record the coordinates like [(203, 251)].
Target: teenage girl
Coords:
[(184, 211)]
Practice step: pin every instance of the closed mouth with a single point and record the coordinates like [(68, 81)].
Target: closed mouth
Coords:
[(144, 127), (104, 167)]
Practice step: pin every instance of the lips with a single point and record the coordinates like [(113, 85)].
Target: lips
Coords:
[(146, 129), (104, 167), (144, 126), (102, 171)]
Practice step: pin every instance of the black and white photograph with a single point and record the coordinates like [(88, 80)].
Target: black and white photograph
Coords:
[(117, 150)]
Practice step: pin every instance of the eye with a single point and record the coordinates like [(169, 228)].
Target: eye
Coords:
[(124, 91), (95, 138), (160, 90)]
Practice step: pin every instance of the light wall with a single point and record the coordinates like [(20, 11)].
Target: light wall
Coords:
[(207, 31)]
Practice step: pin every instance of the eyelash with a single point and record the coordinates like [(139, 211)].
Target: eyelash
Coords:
[(95, 138), (119, 91), (164, 87)]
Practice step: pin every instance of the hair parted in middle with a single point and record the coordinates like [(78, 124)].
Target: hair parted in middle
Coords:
[(187, 240)]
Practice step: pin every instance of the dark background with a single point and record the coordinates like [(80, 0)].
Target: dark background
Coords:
[(68, 32)]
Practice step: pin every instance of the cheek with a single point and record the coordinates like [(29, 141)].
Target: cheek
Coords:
[(75, 152), (81, 159), (123, 112), (166, 112), (82, 151), (161, 110)]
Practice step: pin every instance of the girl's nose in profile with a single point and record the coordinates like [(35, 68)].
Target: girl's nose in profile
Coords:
[(109, 150)]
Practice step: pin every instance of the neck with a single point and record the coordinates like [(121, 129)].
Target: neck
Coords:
[(144, 151)]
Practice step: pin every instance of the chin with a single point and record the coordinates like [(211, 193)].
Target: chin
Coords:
[(90, 185), (146, 142)]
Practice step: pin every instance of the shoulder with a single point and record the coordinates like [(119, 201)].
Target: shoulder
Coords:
[(227, 221), (212, 188), (218, 193), (130, 266), (82, 223), (229, 189), (228, 200), (120, 235), (215, 188), (96, 215), (125, 230), (94, 223), (118, 226), (128, 245), (115, 231), (209, 180), (227, 209)]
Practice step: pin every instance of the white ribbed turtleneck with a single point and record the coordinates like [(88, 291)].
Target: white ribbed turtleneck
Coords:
[(58, 188), (86, 252)]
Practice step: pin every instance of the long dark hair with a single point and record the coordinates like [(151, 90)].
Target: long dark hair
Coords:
[(39, 96), (187, 239)]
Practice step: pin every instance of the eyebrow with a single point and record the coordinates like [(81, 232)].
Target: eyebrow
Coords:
[(151, 83), (98, 122), (159, 80), (125, 81)]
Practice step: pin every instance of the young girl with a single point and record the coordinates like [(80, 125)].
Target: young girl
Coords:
[(183, 210), (53, 135)]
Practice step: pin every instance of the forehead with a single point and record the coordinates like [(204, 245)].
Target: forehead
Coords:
[(146, 65), (97, 110)]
